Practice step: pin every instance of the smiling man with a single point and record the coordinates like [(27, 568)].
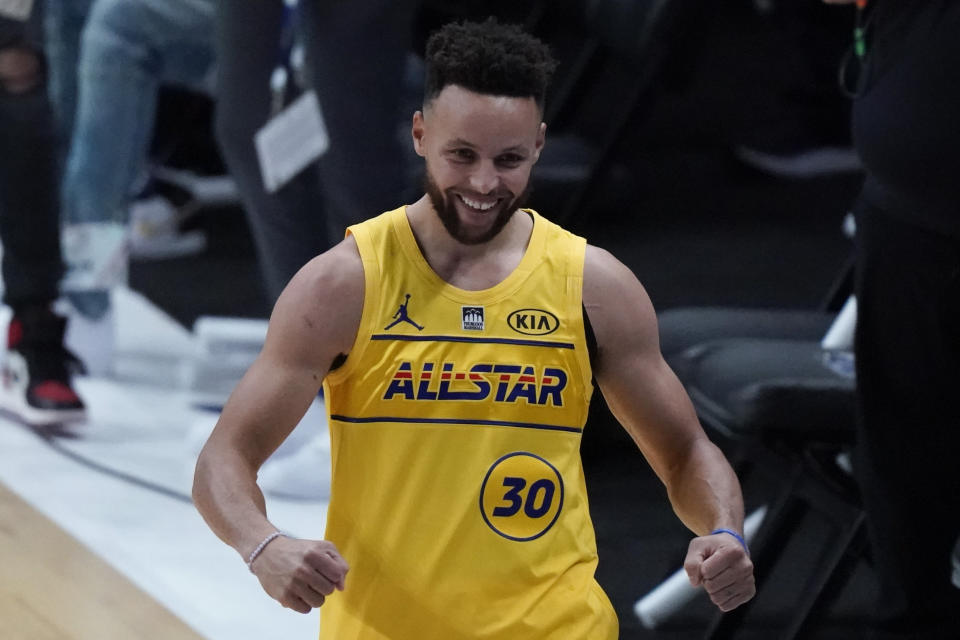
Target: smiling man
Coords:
[(457, 340), (473, 185)]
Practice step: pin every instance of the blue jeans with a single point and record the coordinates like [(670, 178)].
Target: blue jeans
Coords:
[(105, 81), (127, 49)]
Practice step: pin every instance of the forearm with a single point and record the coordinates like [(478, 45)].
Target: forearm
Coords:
[(704, 490), (226, 494)]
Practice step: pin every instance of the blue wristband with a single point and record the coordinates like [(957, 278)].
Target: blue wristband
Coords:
[(735, 535)]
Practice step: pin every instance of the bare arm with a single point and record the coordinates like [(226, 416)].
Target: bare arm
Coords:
[(648, 400), (314, 321)]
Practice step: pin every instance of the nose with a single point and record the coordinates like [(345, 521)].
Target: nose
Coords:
[(484, 178)]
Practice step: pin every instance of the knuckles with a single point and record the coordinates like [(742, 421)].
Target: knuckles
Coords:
[(288, 597), (304, 574), (301, 580)]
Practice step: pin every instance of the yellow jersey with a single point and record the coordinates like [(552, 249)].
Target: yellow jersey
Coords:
[(458, 495)]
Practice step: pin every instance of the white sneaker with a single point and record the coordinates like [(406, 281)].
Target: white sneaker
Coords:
[(304, 475), (155, 232), (300, 468), (206, 419), (91, 340), (197, 435), (95, 255)]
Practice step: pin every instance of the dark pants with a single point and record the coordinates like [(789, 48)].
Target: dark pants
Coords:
[(29, 207), (356, 53), (908, 373)]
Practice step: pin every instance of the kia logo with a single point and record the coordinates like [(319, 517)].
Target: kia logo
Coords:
[(533, 322)]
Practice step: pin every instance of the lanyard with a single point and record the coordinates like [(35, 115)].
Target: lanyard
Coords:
[(280, 78), (854, 68), (860, 30)]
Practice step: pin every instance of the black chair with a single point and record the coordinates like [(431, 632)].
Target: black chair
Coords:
[(646, 40), (786, 407), (685, 327)]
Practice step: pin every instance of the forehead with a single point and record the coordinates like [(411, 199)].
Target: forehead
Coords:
[(460, 113)]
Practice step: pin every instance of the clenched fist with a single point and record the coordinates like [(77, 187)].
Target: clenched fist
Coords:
[(720, 564), (300, 574)]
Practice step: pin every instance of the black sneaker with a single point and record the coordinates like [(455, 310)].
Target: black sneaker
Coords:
[(36, 372)]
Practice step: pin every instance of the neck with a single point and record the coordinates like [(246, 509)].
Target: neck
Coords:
[(468, 266)]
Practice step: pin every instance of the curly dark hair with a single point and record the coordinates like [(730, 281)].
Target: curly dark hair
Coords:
[(489, 58)]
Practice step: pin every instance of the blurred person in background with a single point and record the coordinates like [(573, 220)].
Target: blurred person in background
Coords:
[(355, 59), (36, 371), (108, 60), (798, 124), (352, 56), (902, 73)]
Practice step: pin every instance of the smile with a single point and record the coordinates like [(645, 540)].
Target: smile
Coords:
[(476, 204)]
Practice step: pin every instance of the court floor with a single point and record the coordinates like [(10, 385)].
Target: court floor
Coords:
[(119, 485)]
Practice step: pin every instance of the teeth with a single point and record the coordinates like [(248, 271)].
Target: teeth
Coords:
[(473, 204)]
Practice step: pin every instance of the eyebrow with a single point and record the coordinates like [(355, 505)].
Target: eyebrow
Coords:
[(460, 142)]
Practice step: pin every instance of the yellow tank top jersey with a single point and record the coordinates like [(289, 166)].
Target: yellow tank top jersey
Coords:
[(458, 493)]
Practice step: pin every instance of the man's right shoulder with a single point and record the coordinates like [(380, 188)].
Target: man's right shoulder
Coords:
[(334, 269), (323, 303), (334, 278)]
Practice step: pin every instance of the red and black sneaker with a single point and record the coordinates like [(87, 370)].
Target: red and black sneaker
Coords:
[(37, 369)]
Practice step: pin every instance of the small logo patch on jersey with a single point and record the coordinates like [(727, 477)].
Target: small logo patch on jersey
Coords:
[(521, 496), (401, 316), (472, 318), (533, 322)]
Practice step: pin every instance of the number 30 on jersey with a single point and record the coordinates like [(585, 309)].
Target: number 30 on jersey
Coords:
[(521, 496)]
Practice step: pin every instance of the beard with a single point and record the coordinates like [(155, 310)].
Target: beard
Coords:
[(443, 204)]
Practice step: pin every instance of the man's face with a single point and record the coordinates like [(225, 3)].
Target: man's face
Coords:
[(479, 151)]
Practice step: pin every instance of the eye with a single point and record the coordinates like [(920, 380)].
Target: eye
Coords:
[(510, 159), (463, 154)]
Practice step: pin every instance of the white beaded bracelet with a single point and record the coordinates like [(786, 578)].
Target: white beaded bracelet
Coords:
[(260, 547)]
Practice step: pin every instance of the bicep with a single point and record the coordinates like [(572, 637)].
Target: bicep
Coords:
[(641, 390), (314, 321), (263, 409)]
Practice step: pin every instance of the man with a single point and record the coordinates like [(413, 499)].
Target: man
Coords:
[(36, 385), (458, 501), (108, 59), (349, 48), (907, 343)]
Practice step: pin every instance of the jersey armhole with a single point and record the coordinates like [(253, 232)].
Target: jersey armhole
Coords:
[(586, 339), (590, 336), (346, 363)]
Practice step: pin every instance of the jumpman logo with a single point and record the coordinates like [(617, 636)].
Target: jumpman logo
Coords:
[(401, 316)]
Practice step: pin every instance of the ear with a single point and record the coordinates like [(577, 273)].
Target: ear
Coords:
[(541, 140), (417, 132)]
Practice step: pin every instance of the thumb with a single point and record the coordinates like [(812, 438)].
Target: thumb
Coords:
[(692, 564)]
